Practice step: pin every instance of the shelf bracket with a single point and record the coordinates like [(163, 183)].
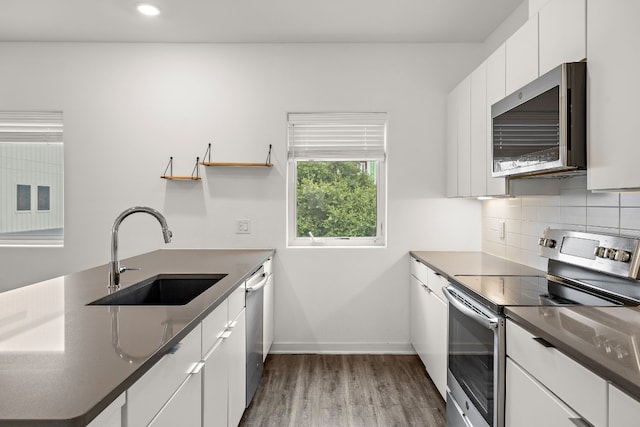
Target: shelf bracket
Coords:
[(208, 152), (268, 161)]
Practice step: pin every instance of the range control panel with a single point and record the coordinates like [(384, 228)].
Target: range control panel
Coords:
[(618, 255)]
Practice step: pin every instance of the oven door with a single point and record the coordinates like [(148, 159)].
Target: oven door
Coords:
[(476, 357)]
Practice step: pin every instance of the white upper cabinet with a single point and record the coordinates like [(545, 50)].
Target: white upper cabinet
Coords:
[(479, 169), (464, 137), (522, 56), (495, 92), (613, 91), (459, 140), (452, 144), (562, 26)]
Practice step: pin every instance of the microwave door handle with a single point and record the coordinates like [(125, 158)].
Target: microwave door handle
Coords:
[(489, 323)]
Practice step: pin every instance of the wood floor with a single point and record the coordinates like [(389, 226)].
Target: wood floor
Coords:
[(345, 390)]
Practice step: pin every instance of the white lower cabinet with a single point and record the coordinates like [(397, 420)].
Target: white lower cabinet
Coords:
[(624, 410), (237, 370), (184, 407), (269, 310), (560, 376), (162, 387), (223, 374), (530, 404), (428, 322), (111, 416)]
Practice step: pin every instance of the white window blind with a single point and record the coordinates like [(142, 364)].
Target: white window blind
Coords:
[(337, 136), (29, 126)]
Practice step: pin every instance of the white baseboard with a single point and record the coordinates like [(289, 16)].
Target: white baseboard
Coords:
[(341, 348)]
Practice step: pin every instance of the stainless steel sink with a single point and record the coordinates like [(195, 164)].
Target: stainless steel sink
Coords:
[(163, 289)]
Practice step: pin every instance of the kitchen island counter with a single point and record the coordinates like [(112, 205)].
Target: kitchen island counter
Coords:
[(62, 362)]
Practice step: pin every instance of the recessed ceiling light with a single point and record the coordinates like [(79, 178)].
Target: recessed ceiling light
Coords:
[(148, 9)]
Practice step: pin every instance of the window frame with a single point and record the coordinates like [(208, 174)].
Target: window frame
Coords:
[(23, 132), (377, 241)]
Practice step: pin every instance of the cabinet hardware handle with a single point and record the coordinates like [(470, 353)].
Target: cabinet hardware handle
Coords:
[(580, 422), (197, 368), (544, 342)]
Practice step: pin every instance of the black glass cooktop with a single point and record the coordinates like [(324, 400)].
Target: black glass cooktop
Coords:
[(500, 291)]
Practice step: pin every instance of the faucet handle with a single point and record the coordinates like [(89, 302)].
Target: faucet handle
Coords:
[(123, 268)]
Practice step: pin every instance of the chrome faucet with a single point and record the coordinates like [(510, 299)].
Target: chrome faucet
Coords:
[(115, 269)]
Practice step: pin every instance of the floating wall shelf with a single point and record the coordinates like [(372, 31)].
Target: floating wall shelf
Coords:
[(266, 164), (195, 175)]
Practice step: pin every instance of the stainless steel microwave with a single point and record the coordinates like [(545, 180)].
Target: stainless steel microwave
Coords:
[(541, 128)]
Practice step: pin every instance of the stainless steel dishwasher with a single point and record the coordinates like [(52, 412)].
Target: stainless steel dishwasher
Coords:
[(254, 333)]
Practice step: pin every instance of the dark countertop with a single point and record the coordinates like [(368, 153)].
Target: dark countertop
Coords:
[(60, 363), (585, 334), (582, 333), (450, 264)]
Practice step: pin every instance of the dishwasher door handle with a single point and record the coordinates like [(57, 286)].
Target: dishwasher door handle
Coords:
[(261, 284)]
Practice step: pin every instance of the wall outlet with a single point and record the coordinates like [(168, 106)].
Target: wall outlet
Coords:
[(243, 226), (502, 230)]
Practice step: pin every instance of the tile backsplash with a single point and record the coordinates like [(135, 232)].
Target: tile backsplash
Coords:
[(575, 208)]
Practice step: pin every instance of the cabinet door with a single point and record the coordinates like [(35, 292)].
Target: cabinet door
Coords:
[(464, 137), (522, 56), (215, 386), (479, 163), (562, 33), (452, 144), (614, 88), (419, 318), (237, 369), (437, 341), (623, 409), (495, 92), (111, 416), (148, 395), (529, 404), (215, 374), (184, 407), (268, 313)]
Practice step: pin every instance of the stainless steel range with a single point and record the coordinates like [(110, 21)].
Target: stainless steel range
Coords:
[(583, 269)]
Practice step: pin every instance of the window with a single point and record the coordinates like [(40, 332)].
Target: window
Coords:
[(23, 201), (336, 179), (31, 183), (43, 198)]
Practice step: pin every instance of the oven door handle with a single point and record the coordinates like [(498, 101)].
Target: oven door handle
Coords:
[(487, 322)]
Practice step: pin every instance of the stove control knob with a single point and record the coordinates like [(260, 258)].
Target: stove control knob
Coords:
[(611, 254), (599, 251), (547, 243), (622, 256)]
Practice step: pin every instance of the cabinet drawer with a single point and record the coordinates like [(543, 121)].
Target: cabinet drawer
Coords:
[(213, 326), (622, 408), (436, 283), (148, 395), (563, 376), (420, 271), (529, 403), (236, 301)]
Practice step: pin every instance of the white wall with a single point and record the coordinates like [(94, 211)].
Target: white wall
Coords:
[(574, 208), (128, 107)]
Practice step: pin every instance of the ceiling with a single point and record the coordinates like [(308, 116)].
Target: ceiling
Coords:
[(254, 21)]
